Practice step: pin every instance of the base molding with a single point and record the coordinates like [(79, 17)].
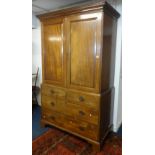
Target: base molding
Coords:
[(96, 145)]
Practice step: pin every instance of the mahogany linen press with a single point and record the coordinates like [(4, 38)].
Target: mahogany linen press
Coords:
[(78, 53)]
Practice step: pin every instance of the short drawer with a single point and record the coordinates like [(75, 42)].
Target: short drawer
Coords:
[(83, 99), (84, 113), (51, 103), (53, 91)]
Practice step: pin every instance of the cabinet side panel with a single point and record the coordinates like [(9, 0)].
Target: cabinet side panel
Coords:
[(105, 115), (108, 56)]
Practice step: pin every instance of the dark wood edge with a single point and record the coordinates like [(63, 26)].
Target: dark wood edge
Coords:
[(106, 134), (110, 10), (107, 90), (106, 130), (101, 5)]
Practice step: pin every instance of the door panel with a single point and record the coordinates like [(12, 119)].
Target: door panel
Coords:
[(84, 46), (54, 64)]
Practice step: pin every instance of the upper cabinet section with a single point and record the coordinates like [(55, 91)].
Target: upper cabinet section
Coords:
[(53, 52), (77, 45), (84, 49)]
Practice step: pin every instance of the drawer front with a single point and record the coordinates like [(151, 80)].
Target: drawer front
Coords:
[(83, 128), (83, 99), (49, 102), (53, 91), (53, 117), (84, 113)]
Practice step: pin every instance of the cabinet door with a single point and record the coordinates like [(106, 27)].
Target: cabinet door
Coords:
[(53, 52), (84, 51)]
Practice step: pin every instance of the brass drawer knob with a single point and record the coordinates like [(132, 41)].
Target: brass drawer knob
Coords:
[(52, 91), (81, 128), (52, 104), (52, 117), (44, 116), (81, 113), (81, 98)]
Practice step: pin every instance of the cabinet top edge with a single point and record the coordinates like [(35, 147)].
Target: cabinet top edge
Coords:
[(101, 5)]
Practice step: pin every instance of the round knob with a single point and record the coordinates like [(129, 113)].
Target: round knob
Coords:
[(81, 113), (52, 91), (52, 103), (44, 116), (81, 128), (52, 117)]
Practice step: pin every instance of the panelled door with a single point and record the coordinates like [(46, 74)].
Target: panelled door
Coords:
[(53, 56), (84, 51)]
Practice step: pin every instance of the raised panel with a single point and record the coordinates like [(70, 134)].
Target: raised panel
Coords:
[(83, 50), (84, 44), (53, 53)]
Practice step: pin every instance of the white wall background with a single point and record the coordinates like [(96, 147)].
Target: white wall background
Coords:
[(36, 62), (117, 109), (117, 119), (36, 51)]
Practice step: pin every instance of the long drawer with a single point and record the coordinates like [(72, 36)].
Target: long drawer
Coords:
[(81, 127), (84, 113)]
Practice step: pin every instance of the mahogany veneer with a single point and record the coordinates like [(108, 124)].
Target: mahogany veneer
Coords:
[(78, 47)]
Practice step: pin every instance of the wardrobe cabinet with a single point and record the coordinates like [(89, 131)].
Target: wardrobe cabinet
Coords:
[(78, 53)]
